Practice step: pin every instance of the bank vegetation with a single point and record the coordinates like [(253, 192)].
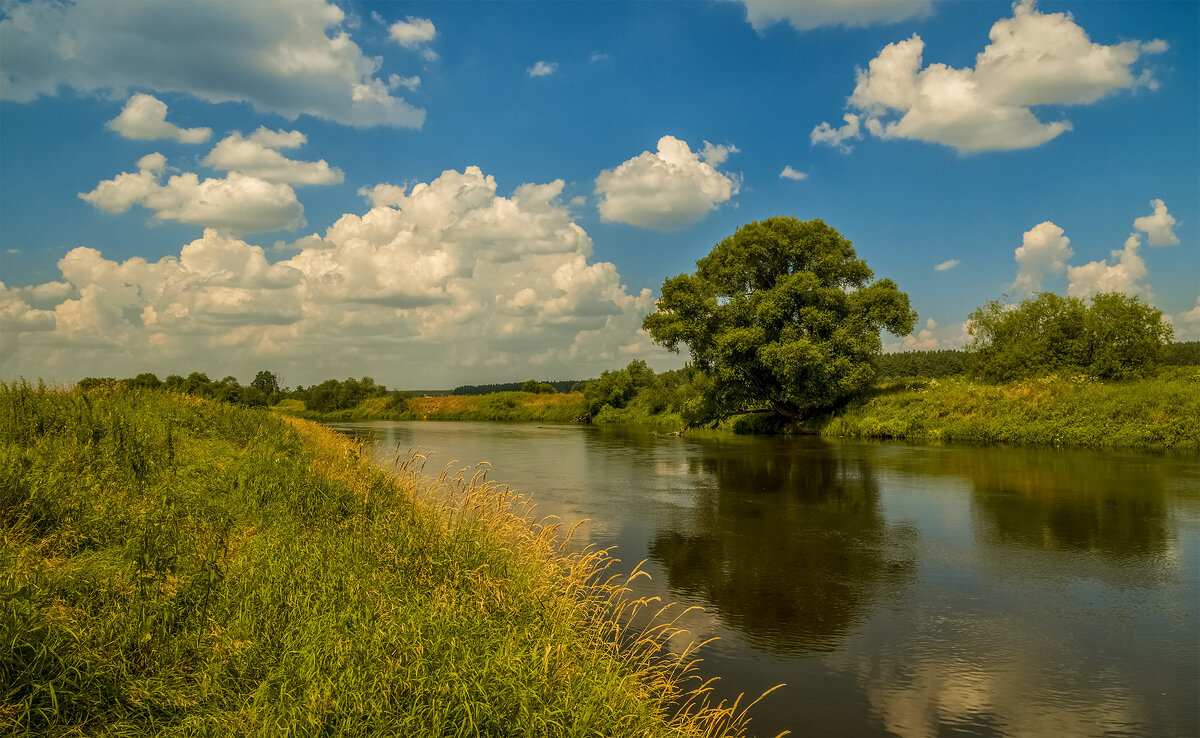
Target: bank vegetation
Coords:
[(177, 565)]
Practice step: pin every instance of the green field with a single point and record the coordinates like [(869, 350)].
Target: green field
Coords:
[(172, 565), (1162, 412)]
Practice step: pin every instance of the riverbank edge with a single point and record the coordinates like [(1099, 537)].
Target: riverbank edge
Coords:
[(1161, 412), (124, 510)]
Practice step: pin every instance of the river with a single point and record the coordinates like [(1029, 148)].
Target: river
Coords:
[(895, 589)]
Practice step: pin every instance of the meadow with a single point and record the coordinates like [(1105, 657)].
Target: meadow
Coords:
[(1159, 412), (175, 565)]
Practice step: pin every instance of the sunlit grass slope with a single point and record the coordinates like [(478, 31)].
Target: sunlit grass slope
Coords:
[(178, 566), (509, 407), (1159, 412)]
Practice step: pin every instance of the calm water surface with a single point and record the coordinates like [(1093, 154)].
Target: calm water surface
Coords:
[(896, 590)]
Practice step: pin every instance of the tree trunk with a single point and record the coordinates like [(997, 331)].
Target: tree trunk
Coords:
[(788, 410)]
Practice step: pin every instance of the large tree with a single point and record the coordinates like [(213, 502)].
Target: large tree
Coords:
[(781, 316)]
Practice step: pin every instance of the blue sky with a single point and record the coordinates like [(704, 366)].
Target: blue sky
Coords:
[(443, 193)]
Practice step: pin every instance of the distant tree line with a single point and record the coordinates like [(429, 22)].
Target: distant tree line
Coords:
[(932, 364), (1182, 353), (332, 395), (530, 385), (263, 391)]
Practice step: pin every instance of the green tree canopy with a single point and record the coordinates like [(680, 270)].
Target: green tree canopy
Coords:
[(537, 387), (782, 316), (266, 382), (1116, 337)]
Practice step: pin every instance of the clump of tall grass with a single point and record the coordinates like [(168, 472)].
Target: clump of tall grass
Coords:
[(1158, 412), (175, 565)]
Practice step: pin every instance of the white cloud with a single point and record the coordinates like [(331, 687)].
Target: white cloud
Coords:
[(1044, 251), (236, 203), (383, 195), (789, 173), (945, 265), (810, 14), (155, 163), (291, 57), (667, 190), (1032, 59), (447, 283), (144, 117), (409, 83), (257, 156), (1159, 227), (837, 137), (1124, 275), (413, 32), (598, 56), (923, 340), (1187, 324), (542, 69)]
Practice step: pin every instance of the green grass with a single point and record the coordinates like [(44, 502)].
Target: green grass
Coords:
[(1160, 412), (504, 407), (177, 566)]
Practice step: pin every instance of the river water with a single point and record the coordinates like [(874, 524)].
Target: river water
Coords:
[(895, 589)]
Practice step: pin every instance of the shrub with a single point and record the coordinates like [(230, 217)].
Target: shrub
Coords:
[(1117, 337)]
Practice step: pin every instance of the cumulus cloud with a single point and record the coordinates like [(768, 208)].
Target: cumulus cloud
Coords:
[(237, 203), (415, 33), (946, 265), (409, 83), (1044, 251), (258, 156), (289, 57), (1032, 59), (816, 13), (924, 340), (838, 137), (789, 173), (671, 189), (437, 284), (1159, 227), (1187, 324), (542, 69), (144, 117), (412, 32), (1125, 274)]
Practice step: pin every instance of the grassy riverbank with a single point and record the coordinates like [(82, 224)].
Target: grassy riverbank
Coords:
[(175, 565), (1159, 412), (508, 407)]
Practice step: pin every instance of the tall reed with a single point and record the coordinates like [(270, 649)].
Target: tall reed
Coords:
[(173, 565)]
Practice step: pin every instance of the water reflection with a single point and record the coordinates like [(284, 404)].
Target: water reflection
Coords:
[(897, 590), (791, 549)]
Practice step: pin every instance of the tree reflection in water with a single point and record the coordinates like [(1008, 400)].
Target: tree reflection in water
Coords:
[(790, 548)]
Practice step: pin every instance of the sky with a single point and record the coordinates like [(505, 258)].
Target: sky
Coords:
[(435, 194)]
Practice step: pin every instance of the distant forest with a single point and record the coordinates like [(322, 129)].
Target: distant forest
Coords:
[(333, 395), (560, 385)]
